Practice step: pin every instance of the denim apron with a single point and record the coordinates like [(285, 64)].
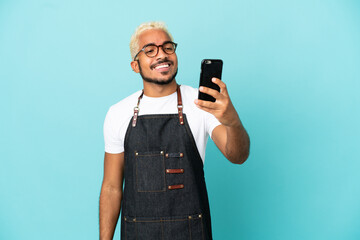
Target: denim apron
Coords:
[(165, 196)]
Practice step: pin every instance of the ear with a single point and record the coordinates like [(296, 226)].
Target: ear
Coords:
[(135, 66)]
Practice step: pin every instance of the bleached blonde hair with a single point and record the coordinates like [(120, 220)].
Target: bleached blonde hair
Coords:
[(134, 41)]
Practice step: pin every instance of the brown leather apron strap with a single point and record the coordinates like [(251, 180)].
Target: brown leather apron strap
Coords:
[(136, 109), (179, 106)]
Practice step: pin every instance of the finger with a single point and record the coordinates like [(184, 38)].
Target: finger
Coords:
[(209, 91), (206, 109), (205, 104), (221, 84)]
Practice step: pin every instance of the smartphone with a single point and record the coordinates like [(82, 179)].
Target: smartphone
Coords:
[(210, 68)]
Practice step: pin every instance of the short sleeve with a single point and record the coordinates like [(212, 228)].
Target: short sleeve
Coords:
[(113, 142), (210, 122)]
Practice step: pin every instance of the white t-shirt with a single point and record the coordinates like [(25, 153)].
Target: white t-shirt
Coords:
[(118, 117)]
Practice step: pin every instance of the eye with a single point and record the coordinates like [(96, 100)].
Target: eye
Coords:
[(169, 47), (149, 50)]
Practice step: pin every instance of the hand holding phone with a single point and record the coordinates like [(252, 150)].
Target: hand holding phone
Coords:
[(210, 68)]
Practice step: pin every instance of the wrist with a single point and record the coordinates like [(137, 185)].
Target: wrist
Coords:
[(234, 122)]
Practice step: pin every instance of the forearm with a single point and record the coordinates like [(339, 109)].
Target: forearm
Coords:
[(230, 137), (110, 204), (237, 143)]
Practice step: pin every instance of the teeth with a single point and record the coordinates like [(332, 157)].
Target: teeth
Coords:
[(162, 66)]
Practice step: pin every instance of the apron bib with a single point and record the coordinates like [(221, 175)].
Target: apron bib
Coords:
[(165, 196)]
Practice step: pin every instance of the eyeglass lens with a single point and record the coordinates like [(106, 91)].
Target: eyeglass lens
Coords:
[(152, 50)]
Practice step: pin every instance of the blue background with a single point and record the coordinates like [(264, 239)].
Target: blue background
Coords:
[(292, 69)]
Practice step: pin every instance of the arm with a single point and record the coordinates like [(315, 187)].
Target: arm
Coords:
[(111, 194), (230, 137)]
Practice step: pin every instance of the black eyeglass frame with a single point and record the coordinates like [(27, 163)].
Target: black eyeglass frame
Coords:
[(157, 49)]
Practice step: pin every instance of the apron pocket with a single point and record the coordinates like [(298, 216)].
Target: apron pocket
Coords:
[(143, 230), (150, 171), (170, 228)]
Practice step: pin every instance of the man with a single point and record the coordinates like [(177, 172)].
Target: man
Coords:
[(155, 139)]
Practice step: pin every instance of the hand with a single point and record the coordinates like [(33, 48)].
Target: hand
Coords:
[(222, 108)]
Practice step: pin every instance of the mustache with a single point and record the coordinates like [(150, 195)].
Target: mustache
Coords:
[(160, 62)]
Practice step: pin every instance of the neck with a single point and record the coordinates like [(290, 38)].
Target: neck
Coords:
[(156, 90)]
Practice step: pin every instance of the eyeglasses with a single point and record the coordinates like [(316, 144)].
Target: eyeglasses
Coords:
[(151, 50)]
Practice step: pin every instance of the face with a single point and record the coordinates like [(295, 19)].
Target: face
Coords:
[(160, 69)]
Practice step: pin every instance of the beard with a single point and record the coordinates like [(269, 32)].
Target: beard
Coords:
[(155, 80)]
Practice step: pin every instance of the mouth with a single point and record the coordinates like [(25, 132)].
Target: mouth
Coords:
[(162, 66)]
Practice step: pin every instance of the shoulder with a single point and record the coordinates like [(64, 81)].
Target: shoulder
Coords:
[(123, 108), (126, 104)]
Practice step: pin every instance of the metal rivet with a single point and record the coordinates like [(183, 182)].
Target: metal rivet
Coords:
[(134, 219), (200, 216), (169, 187), (162, 152), (190, 217), (167, 155), (167, 170), (180, 117), (181, 154), (136, 153), (182, 123), (125, 218)]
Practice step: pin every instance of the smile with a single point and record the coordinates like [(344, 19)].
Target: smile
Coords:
[(162, 66)]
